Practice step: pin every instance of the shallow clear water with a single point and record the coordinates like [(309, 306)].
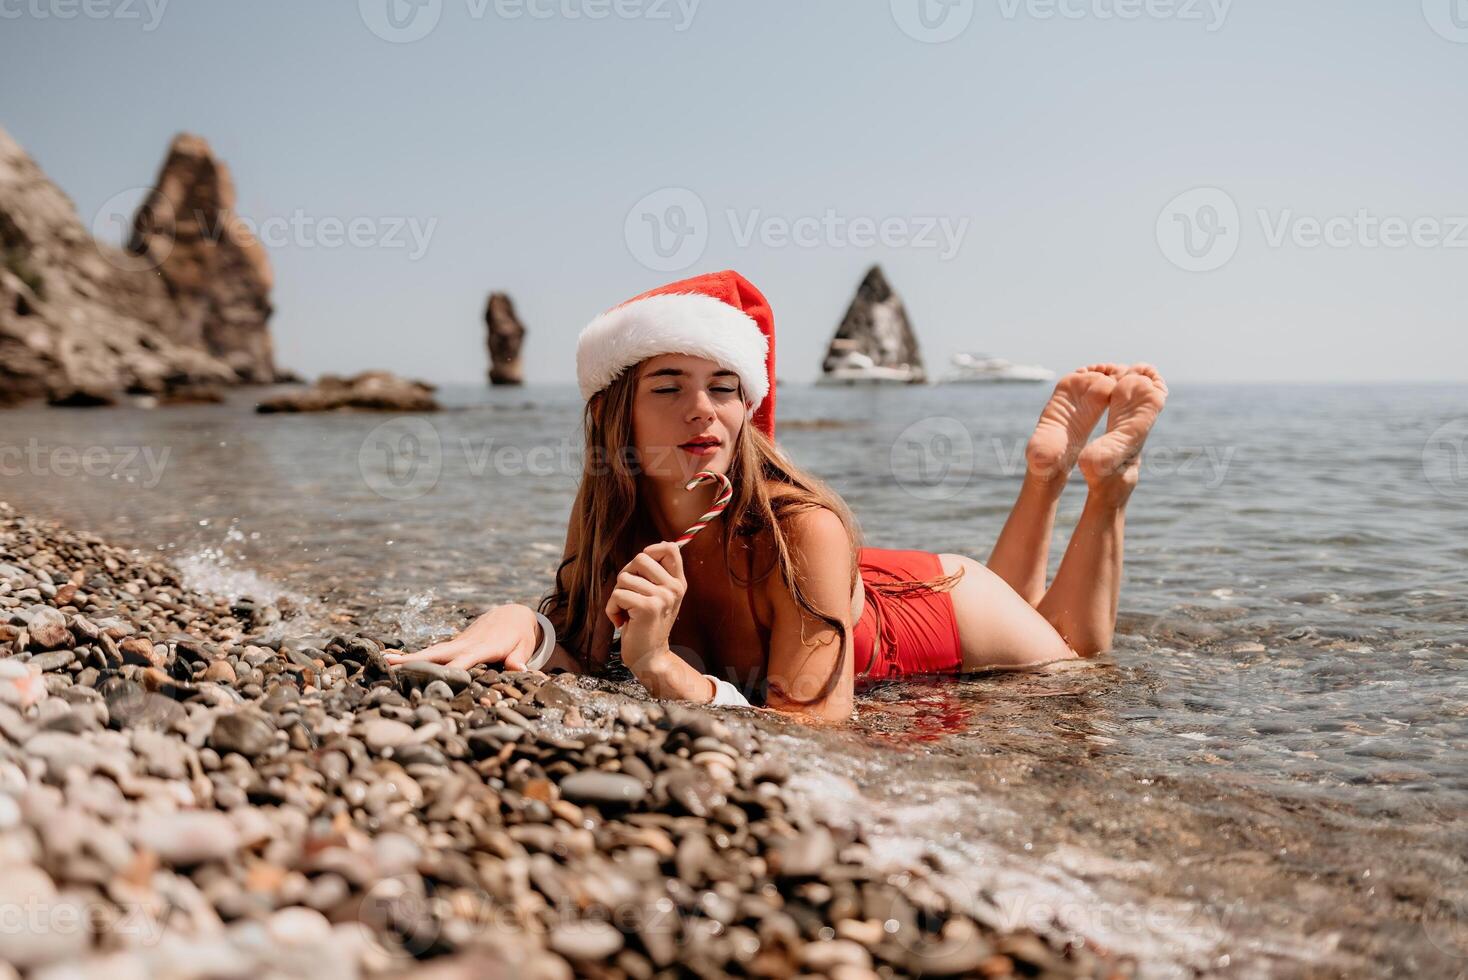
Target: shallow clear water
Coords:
[(1271, 766)]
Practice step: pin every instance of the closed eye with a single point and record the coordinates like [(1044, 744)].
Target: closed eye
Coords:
[(674, 391)]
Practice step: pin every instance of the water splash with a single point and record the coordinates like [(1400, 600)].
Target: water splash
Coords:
[(414, 624), (220, 570)]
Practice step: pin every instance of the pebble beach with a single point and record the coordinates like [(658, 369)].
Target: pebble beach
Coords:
[(184, 793)]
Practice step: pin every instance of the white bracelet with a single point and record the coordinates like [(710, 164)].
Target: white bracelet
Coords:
[(726, 694), (547, 644)]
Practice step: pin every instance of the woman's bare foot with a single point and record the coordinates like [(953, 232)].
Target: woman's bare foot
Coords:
[(1136, 400), (1115, 370), (1066, 422)]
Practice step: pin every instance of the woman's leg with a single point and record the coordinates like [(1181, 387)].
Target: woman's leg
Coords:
[(1022, 553), (1081, 602), (996, 627)]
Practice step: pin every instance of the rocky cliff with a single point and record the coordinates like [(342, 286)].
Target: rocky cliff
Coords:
[(505, 338), (81, 320), (214, 269)]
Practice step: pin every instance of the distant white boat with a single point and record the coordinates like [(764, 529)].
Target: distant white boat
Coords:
[(855, 368), (987, 369)]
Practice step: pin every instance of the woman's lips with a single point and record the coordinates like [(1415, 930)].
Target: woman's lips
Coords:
[(700, 449)]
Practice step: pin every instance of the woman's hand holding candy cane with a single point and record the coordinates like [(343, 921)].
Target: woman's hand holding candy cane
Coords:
[(649, 590)]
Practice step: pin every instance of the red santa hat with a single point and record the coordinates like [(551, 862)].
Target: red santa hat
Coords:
[(718, 315)]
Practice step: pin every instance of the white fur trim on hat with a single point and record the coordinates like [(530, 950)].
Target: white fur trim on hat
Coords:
[(672, 323)]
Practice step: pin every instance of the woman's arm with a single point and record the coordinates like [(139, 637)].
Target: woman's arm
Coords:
[(509, 634), (804, 651)]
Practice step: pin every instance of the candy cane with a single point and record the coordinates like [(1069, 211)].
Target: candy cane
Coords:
[(726, 493), (720, 502)]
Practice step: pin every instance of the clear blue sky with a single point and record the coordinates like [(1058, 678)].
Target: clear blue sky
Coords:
[(520, 134)]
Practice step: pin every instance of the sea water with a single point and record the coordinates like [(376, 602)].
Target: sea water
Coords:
[(1268, 774)]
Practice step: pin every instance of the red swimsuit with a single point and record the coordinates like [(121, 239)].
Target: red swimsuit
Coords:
[(907, 625)]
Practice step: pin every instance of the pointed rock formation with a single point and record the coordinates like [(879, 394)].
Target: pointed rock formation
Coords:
[(78, 318), (81, 321), (876, 327), (505, 338), (214, 268)]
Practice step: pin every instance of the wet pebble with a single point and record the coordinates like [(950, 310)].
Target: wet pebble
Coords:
[(421, 673)]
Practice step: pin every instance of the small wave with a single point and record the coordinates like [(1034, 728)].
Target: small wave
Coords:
[(1002, 889), (212, 572)]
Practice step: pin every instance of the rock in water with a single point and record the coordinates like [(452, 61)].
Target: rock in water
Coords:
[(369, 391), (216, 271), (505, 337), (876, 327), (82, 321)]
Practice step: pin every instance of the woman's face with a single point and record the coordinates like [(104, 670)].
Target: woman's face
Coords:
[(682, 400)]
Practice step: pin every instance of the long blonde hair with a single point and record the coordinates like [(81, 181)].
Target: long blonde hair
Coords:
[(609, 525)]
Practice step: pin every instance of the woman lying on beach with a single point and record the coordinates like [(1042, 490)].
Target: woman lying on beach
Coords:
[(777, 593)]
